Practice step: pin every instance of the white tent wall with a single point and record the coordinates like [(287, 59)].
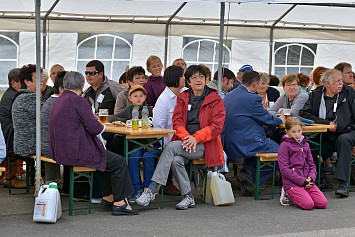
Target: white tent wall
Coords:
[(250, 52), (328, 55), (62, 49)]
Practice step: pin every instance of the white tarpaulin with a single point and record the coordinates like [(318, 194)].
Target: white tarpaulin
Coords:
[(243, 19)]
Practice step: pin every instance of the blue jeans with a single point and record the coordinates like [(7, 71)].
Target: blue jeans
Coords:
[(147, 157)]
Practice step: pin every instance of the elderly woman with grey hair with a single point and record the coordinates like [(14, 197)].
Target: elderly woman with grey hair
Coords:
[(268, 93), (74, 137)]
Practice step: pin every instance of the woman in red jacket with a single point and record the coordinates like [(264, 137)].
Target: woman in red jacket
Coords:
[(198, 120)]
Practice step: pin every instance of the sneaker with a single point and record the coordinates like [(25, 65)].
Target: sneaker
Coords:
[(171, 190), (185, 203), (134, 196), (284, 199), (145, 198), (96, 200), (342, 191)]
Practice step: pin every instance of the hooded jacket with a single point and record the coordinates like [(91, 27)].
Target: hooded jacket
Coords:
[(295, 162), (211, 118)]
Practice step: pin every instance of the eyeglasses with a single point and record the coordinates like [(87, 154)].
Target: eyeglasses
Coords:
[(196, 77), (91, 73), (291, 85)]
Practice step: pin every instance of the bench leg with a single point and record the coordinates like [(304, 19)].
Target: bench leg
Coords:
[(71, 191), (257, 178), (273, 179), (91, 179), (9, 174)]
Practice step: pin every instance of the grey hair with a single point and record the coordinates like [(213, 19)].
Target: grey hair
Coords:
[(327, 76), (264, 76), (73, 80)]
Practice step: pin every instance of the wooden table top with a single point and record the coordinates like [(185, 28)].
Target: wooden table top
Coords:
[(139, 133), (315, 127)]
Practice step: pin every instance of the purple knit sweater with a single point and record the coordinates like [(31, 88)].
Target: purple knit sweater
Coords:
[(295, 162), (73, 130), (154, 87)]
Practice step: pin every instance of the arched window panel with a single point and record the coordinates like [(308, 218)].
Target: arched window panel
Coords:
[(8, 55), (113, 51), (293, 58), (204, 51)]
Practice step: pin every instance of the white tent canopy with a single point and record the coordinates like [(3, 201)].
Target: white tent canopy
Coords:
[(244, 19)]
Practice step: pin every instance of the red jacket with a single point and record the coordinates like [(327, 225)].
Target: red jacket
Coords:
[(211, 117)]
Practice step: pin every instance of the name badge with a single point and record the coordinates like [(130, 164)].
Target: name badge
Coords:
[(335, 107), (100, 98), (189, 107)]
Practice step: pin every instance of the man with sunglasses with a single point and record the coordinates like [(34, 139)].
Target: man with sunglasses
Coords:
[(102, 92)]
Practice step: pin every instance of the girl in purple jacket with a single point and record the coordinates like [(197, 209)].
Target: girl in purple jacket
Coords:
[(297, 168)]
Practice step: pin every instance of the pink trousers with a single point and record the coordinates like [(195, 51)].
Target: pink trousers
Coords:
[(307, 198)]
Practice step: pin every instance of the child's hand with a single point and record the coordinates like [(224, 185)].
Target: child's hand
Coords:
[(310, 183)]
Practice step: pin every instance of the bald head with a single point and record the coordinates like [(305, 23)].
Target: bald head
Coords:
[(54, 70)]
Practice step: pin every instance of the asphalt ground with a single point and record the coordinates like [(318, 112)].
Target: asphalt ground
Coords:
[(246, 217)]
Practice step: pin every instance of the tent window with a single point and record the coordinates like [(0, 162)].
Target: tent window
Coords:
[(113, 50), (8, 55), (205, 51), (293, 58)]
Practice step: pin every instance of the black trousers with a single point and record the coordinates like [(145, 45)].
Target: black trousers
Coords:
[(116, 179), (341, 143)]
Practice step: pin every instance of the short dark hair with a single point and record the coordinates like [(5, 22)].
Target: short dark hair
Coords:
[(123, 78), (97, 64), (249, 77), (58, 81), (191, 70), (26, 74), (274, 80), (135, 70), (225, 73), (341, 66), (13, 75), (172, 76)]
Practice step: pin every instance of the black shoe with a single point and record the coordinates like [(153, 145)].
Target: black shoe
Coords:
[(342, 191), (106, 205), (244, 175), (243, 187), (325, 186), (117, 211)]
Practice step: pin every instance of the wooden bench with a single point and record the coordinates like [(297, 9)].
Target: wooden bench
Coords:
[(264, 160), (75, 173), (195, 165)]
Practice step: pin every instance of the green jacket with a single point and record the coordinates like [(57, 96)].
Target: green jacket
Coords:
[(213, 85)]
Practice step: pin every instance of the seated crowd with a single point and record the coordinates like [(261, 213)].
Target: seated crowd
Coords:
[(242, 121)]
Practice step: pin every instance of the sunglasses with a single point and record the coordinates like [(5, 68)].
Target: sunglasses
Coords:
[(91, 73)]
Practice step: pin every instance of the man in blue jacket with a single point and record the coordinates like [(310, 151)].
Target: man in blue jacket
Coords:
[(243, 134)]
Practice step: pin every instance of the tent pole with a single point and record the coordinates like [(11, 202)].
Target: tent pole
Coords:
[(220, 49), (272, 36), (38, 95), (45, 32), (167, 33)]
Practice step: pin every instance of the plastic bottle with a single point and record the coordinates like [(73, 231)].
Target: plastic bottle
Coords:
[(208, 195), (145, 119), (221, 190), (48, 207), (135, 120)]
